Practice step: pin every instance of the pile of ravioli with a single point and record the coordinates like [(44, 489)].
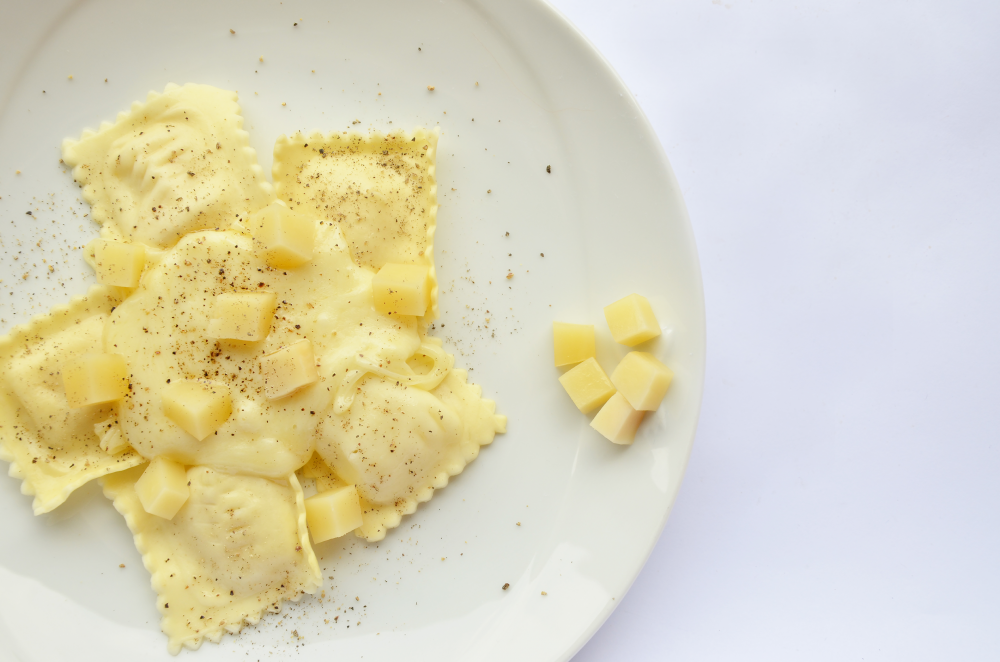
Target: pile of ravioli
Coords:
[(389, 413)]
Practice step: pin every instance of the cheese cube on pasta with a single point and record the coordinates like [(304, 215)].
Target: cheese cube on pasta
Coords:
[(242, 316), (287, 237), (118, 263), (288, 369), (95, 378), (199, 407), (333, 513), (402, 289), (163, 488)]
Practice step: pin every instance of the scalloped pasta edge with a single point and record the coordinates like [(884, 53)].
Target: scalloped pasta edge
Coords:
[(82, 177), (432, 136), (158, 584), (14, 338)]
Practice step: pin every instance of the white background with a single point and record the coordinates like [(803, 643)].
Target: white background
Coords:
[(840, 164)]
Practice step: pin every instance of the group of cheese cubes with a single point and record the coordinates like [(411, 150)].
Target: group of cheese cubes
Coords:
[(637, 385), (200, 407)]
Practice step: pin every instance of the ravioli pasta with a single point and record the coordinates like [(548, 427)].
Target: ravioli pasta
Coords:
[(379, 404), (397, 444), (382, 190), (52, 448), (178, 162), (237, 548)]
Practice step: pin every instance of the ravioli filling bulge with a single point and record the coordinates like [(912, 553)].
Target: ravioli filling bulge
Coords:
[(382, 190), (51, 446), (236, 549), (162, 332), (178, 163), (388, 412)]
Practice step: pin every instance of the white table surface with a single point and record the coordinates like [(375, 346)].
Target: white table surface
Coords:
[(840, 162)]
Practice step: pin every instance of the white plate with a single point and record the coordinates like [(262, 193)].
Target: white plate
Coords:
[(609, 219)]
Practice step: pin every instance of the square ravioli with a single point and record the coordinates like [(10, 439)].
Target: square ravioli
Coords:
[(237, 548), (381, 189), (177, 163), (208, 278), (432, 435), (53, 448)]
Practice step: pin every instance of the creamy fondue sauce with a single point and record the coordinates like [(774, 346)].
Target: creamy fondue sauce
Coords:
[(381, 407)]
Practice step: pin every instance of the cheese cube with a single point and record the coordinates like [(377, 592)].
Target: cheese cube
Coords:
[(95, 378), (163, 488), (333, 513), (402, 289), (242, 316), (617, 421), (642, 380), (587, 385), (118, 263), (286, 237), (198, 406), (288, 369), (631, 320), (573, 342)]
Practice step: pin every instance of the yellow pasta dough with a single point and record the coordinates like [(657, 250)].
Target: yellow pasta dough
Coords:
[(265, 304), (179, 162), (237, 548), (382, 190), (399, 443), (52, 447)]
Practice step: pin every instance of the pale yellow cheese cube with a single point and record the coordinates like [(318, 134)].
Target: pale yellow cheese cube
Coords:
[(95, 378), (402, 289), (573, 342), (163, 488), (288, 369), (286, 237), (198, 406), (587, 385), (631, 320), (617, 421), (333, 513), (119, 263), (642, 379), (242, 316)]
